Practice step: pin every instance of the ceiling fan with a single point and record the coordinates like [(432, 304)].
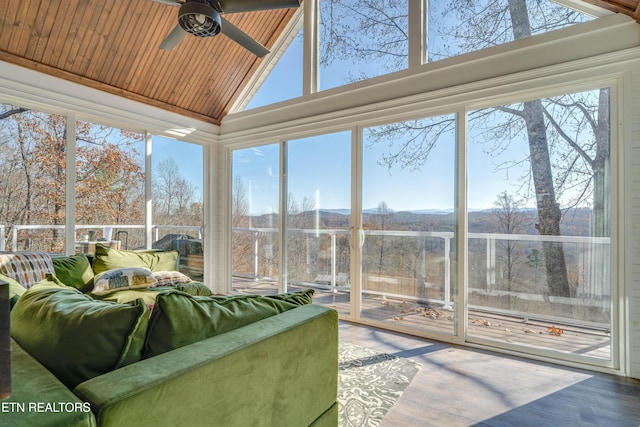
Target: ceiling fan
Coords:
[(202, 19)]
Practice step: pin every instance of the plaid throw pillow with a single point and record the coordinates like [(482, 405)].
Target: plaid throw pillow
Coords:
[(170, 278)]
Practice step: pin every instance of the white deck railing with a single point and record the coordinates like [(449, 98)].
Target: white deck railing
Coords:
[(262, 244), (591, 245), (104, 228)]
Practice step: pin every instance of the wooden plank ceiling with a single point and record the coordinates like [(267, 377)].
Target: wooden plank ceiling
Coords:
[(627, 7), (112, 45)]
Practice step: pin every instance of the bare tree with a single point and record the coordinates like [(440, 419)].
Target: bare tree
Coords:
[(511, 220), (364, 31), (382, 218), (173, 195), (110, 176), (239, 204), (241, 241)]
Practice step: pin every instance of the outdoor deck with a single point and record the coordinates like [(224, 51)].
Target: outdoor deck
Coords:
[(486, 325)]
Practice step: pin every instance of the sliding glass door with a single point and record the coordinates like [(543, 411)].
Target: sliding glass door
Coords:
[(311, 178), (408, 218), (318, 188), (539, 243), (255, 219), (371, 223)]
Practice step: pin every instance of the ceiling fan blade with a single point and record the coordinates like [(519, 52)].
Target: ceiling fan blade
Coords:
[(173, 39), (243, 39), (168, 2), (235, 6)]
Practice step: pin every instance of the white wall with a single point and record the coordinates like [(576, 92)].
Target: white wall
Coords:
[(632, 217)]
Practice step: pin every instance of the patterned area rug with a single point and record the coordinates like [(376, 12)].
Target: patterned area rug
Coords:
[(369, 383)]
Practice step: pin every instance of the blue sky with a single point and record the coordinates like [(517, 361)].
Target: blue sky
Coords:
[(188, 157), (320, 170)]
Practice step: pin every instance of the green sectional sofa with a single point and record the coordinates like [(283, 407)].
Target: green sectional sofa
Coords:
[(130, 351)]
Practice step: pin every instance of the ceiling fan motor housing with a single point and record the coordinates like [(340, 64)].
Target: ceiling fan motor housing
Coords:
[(199, 19)]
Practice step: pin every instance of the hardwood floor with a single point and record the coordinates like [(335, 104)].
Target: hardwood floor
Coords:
[(459, 386)]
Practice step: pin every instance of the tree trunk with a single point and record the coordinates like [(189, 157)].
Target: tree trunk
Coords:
[(27, 182), (549, 214)]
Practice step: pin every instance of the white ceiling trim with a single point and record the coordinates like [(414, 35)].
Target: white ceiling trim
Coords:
[(24, 87)]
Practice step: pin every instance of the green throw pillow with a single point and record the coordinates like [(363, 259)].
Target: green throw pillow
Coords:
[(75, 271), (15, 290), (107, 258), (75, 336), (179, 319)]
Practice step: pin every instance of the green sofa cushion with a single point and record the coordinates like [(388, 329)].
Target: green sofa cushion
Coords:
[(149, 294), (34, 390), (107, 258), (194, 288), (298, 298), (75, 271), (75, 336), (179, 319)]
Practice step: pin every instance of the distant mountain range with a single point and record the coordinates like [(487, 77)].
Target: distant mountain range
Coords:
[(576, 222), (374, 211)]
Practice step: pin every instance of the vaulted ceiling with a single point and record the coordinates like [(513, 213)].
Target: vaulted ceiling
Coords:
[(112, 45)]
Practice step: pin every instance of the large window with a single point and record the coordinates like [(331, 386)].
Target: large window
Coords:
[(319, 217), (33, 169), (255, 218), (178, 198), (110, 179), (284, 81), (361, 39), (110, 182), (535, 268), (540, 224), (455, 28)]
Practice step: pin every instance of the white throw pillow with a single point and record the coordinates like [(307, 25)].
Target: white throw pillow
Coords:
[(123, 278)]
